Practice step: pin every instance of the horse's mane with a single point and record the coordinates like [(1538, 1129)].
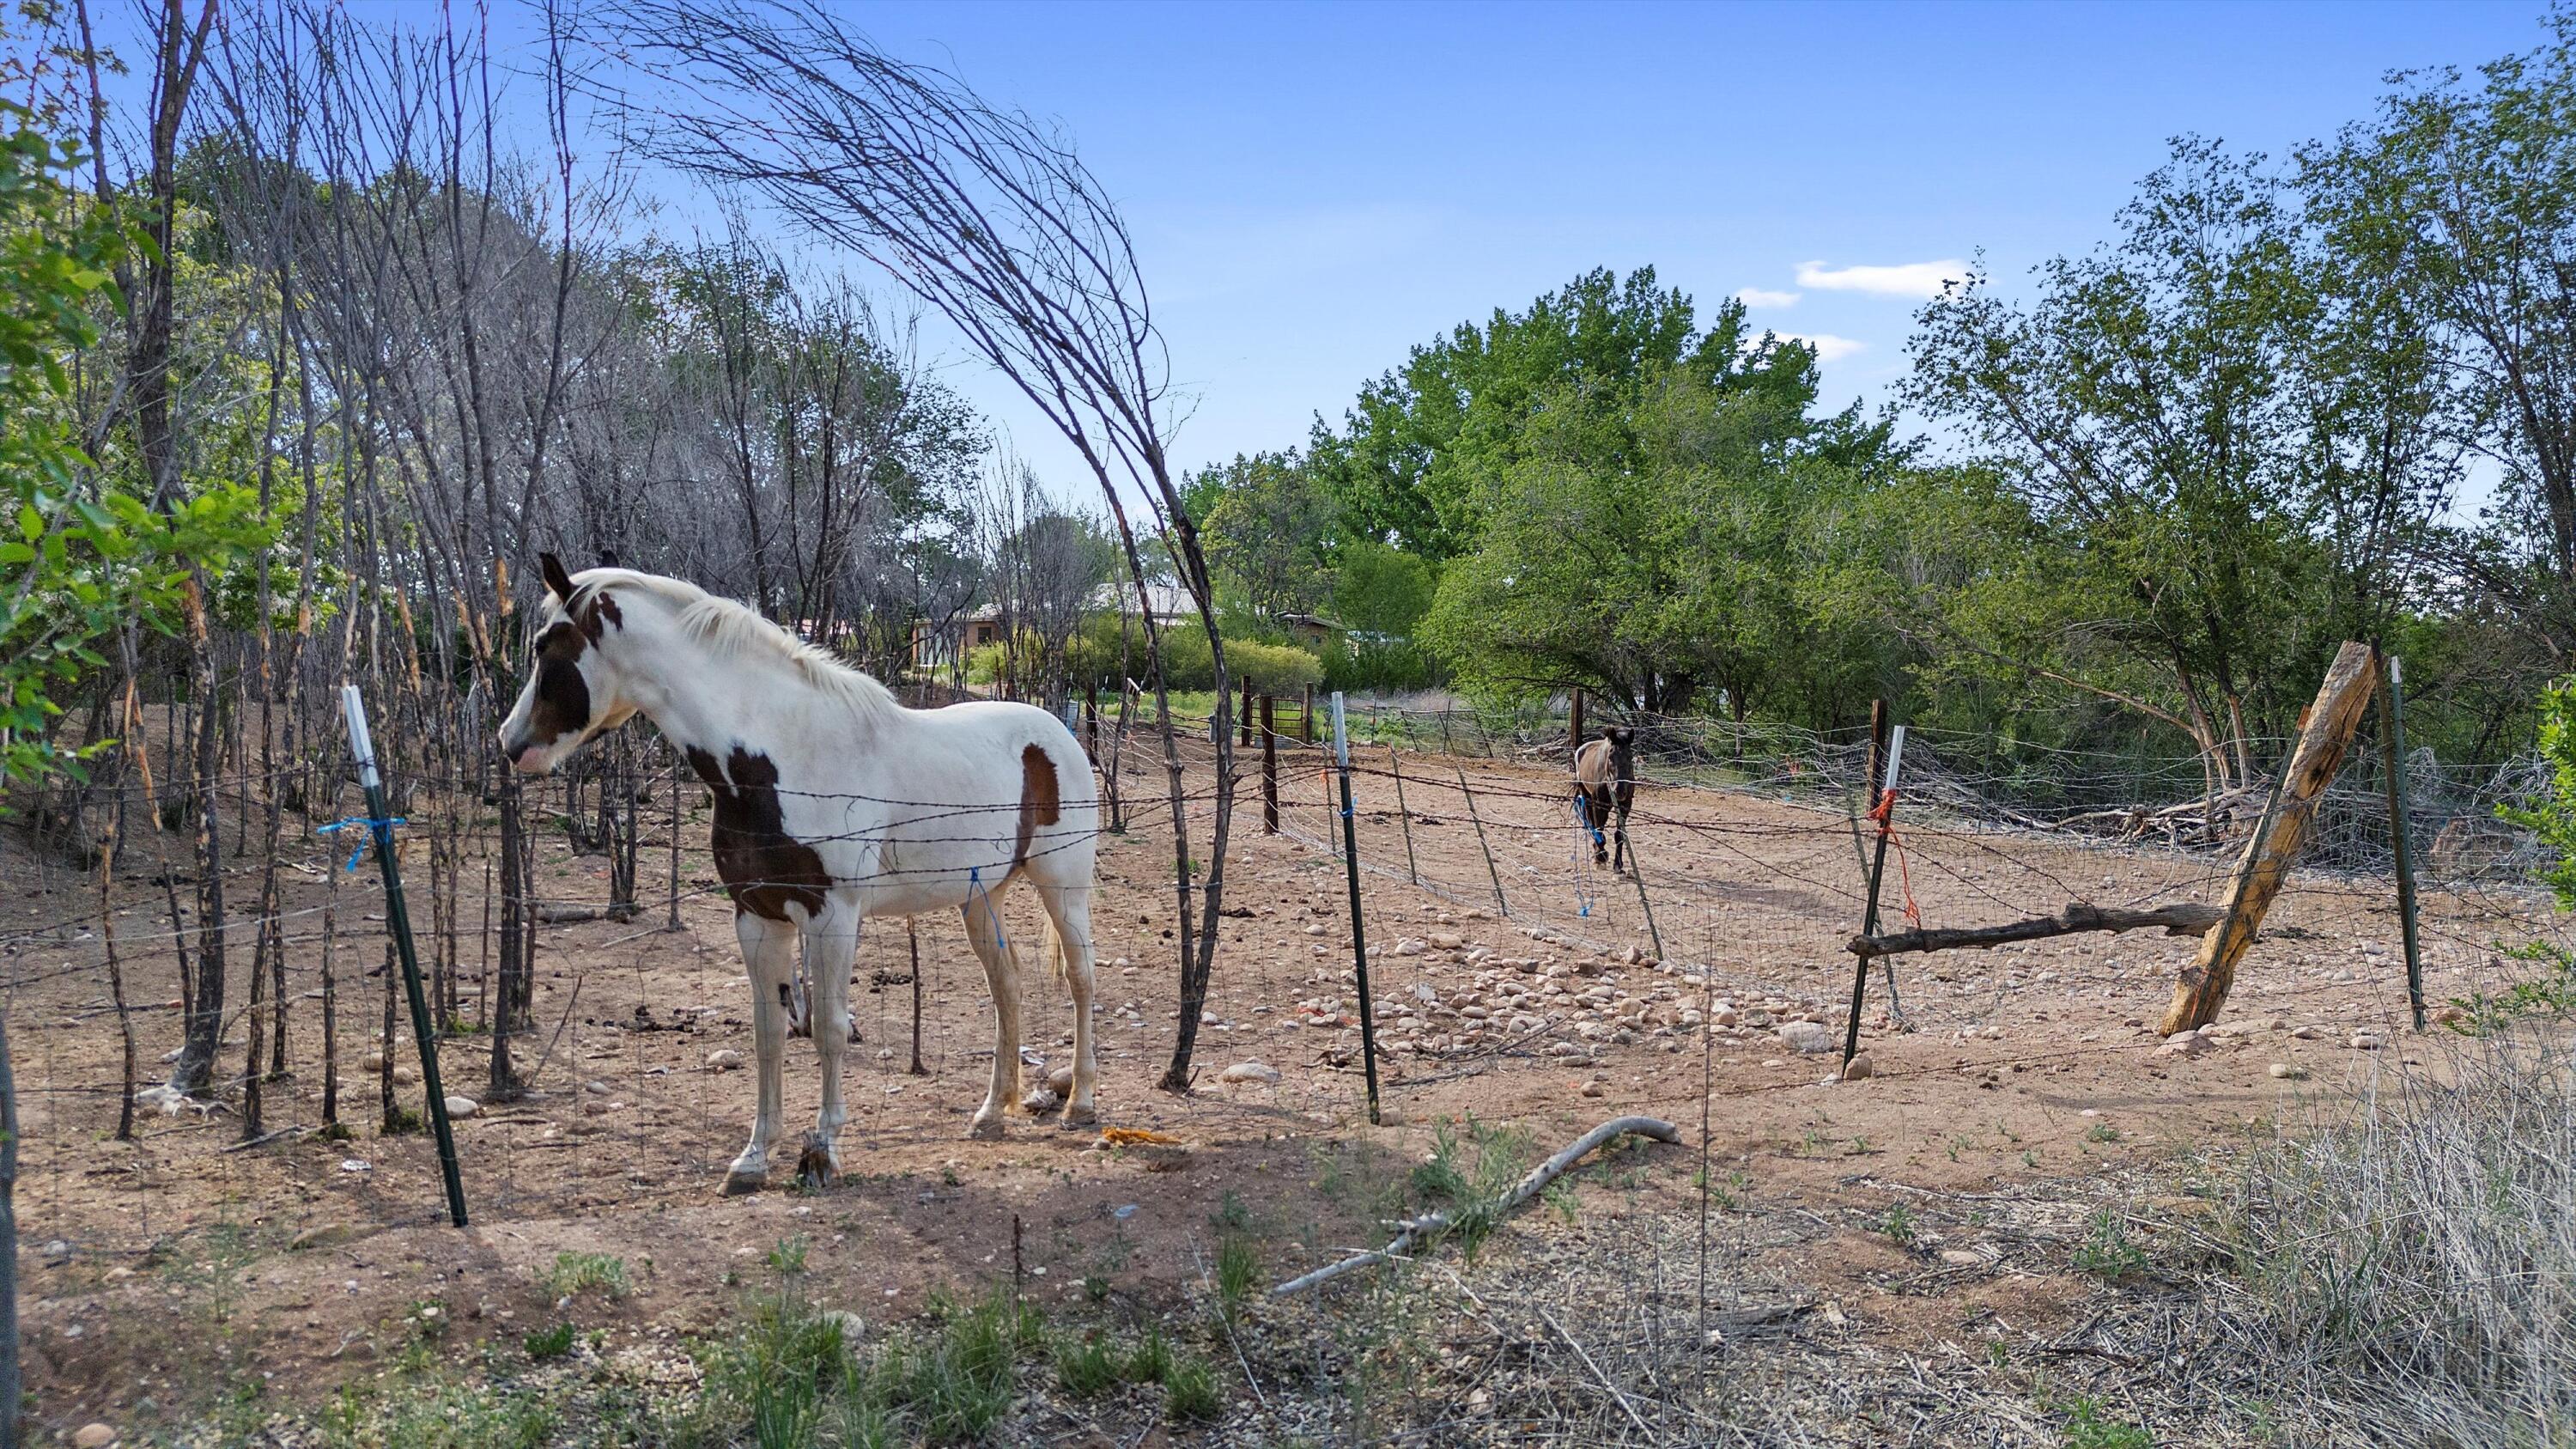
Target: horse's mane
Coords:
[(736, 628)]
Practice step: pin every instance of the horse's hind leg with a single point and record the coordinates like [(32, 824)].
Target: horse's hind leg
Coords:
[(984, 933), (1620, 862), (1069, 908)]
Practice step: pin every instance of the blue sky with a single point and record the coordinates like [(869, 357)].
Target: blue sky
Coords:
[(1316, 188)]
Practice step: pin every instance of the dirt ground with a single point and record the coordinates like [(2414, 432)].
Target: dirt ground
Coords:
[(180, 1269)]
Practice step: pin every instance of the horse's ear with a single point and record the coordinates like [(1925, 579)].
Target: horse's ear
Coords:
[(556, 579), (608, 558)]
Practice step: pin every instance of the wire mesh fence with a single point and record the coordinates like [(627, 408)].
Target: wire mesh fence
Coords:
[(1499, 942)]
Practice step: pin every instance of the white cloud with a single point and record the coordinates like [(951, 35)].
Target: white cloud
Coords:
[(1908, 279), (1765, 297), (1829, 348)]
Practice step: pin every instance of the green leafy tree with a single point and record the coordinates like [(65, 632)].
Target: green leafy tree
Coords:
[(1641, 545), (1421, 447), (84, 554), (1270, 531)]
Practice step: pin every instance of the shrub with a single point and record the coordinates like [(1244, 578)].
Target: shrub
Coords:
[(2417, 1261)]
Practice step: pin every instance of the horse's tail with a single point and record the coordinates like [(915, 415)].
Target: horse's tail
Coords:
[(1055, 955)]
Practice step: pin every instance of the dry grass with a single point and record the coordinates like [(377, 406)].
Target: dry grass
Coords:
[(2412, 1268)]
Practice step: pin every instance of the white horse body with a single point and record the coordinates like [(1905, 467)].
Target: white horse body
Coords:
[(833, 803)]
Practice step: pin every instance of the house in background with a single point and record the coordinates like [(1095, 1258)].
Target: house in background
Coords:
[(937, 647), (1310, 628)]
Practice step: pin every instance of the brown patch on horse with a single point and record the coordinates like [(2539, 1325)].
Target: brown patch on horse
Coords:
[(765, 869), (562, 703), (597, 613), (1040, 802)]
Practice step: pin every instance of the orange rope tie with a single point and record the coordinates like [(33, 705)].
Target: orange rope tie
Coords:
[(1885, 816)]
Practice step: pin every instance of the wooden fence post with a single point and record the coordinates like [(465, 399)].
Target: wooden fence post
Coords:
[(1574, 727), (1395, 766), (1269, 767), (2323, 738), (1501, 902), (2392, 726), (1306, 717), (1881, 808)]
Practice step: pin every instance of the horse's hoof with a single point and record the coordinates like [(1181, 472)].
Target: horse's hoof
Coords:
[(738, 1183), (1079, 1114), (814, 1169), (986, 1129)]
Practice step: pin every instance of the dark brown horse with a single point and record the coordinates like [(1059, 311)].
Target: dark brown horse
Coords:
[(1605, 785)]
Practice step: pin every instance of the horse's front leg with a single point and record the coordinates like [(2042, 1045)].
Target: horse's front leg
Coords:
[(984, 932), (769, 956), (831, 945), (1620, 863)]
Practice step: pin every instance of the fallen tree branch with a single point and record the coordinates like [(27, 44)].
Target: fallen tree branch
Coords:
[(1430, 1225), (2183, 918)]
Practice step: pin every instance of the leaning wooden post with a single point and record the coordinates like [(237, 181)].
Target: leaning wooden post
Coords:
[(398, 924), (1637, 876), (2392, 726), (1359, 938), (1306, 717), (1247, 711), (1395, 767), (1500, 902), (2323, 737), (1269, 767), (1880, 809)]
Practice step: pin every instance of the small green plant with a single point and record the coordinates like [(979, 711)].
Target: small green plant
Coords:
[(575, 1273), (549, 1343), (2086, 1428), (1095, 1288), (1149, 1360), (1190, 1393), (1899, 1226), (1086, 1366), (2106, 1251), (2103, 1132), (1232, 1215), (1238, 1270)]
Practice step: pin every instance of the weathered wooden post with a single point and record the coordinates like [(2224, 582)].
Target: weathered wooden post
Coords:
[(2392, 726), (1269, 767), (1246, 737), (1306, 717), (1881, 809), (1395, 767), (1359, 938), (2324, 736), (1574, 726), (1637, 877), (1501, 903)]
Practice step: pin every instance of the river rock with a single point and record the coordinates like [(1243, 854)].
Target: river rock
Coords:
[(1260, 1072), (1809, 1038)]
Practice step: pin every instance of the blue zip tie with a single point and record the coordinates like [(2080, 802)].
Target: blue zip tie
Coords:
[(975, 886), (376, 830)]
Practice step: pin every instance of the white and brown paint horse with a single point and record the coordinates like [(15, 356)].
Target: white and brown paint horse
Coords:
[(833, 803), (1605, 786)]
